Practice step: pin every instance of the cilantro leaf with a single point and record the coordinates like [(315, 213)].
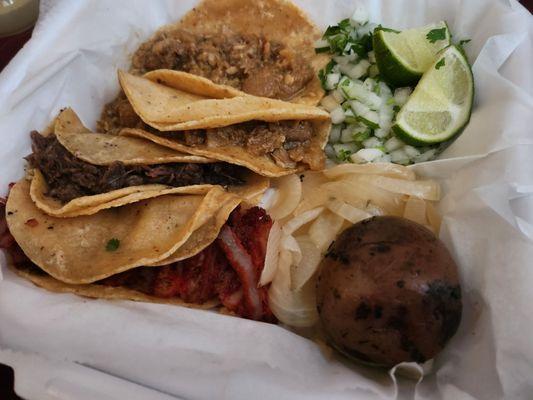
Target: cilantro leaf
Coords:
[(324, 72), (440, 64), (322, 50), (362, 136), (344, 155), (464, 41), (436, 35), (112, 244)]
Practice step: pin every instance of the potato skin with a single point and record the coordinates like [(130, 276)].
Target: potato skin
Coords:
[(388, 291)]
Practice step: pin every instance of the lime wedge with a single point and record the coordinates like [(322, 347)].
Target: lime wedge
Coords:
[(441, 103), (403, 57)]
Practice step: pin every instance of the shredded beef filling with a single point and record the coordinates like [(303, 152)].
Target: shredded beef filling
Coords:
[(248, 62), (69, 177)]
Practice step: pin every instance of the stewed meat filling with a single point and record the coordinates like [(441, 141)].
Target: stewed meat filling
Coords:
[(69, 177), (287, 142), (247, 62)]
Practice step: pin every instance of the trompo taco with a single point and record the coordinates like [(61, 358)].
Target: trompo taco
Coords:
[(270, 137), (77, 172), (200, 250)]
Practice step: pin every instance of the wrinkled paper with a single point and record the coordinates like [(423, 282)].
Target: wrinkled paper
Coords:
[(487, 208)]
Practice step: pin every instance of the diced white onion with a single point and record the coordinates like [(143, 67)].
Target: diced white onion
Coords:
[(347, 135), (330, 151), (373, 71), (329, 103), (399, 156), (382, 132), (372, 142), (367, 155), (359, 16), (401, 95), (337, 115), (338, 95), (332, 80), (393, 144), (411, 151), (426, 156), (335, 133), (341, 148)]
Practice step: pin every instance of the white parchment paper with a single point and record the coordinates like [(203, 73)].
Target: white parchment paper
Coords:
[(487, 177)]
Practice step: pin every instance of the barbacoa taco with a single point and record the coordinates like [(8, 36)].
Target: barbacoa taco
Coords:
[(77, 172), (261, 47), (270, 137), (199, 251)]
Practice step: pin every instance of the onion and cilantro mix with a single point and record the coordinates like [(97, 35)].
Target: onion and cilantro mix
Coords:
[(362, 106)]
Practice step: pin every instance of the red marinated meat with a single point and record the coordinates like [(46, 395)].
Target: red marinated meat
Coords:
[(228, 269)]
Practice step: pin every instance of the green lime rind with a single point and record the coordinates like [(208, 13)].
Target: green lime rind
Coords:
[(394, 66), (391, 69), (415, 137)]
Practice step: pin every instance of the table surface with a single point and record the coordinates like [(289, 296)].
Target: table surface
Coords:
[(8, 48)]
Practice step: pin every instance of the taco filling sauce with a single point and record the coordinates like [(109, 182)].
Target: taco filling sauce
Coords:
[(69, 177), (248, 62)]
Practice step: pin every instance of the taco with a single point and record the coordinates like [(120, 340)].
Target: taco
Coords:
[(270, 137), (77, 172), (199, 251), (261, 47)]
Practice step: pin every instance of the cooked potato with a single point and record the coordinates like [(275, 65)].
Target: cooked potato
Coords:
[(388, 292)]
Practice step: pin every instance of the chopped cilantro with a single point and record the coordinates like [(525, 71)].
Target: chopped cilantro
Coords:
[(440, 64), (345, 24), (362, 136), (464, 41), (322, 50), (324, 72), (391, 101), (382, 28), (332, 30), (112, 244), (350, 119), (437, 34), (344, 155)]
